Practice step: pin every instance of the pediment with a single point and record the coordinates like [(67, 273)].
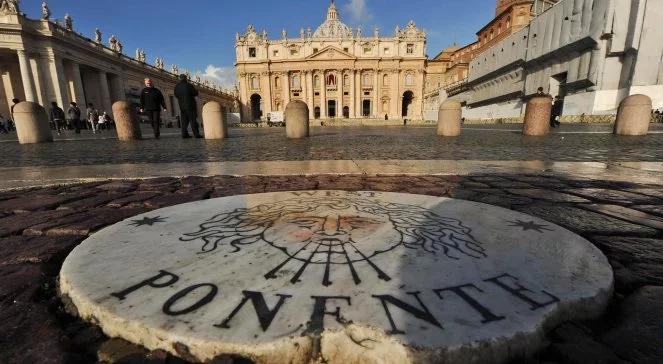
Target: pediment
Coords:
[(331, 52)]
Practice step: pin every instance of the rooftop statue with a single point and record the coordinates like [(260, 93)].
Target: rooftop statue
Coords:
[(45, 11), (9, 7), (68, 23), (97, 36)]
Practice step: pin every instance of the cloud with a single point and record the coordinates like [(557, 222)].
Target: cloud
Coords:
[(358, 11), (224, 76)]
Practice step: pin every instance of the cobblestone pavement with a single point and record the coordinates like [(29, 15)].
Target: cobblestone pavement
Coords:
[(494, 142), (40, 226)]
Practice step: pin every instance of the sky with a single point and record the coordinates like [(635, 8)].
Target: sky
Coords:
[(199, 35)]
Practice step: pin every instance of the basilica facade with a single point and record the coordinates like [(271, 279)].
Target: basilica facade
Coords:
[(339, 72)]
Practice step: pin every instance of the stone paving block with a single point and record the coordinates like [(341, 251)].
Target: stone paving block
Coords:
[(346, 183), (650, 209), (15, 224), (640, 259), (628, 214), (35, 249), (195, 181), (614, 196), (542, 194), (431, 191), (118, 350), (654, 192), (118, 185), (223, 181), (92, 220), (638, 334), (510, 184), (36, 202), (178, 198), (236, 190), (585, 222), (133, 198), (471, 184), (291, 184), (19, 283), (575, 345), (30, 334), (99, 199)]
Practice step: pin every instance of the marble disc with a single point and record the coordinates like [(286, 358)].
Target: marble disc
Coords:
[(338, 277)]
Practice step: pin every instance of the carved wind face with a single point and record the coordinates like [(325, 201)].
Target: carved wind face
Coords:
[(330, 233)]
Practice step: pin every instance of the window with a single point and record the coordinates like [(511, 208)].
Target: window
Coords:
[(294, 51), (385, 80), (316, 81), (252, 52), (346, 80), (409, 80), (277, 82), (410, 48), (331, 80), (366, 80), (346, 50), (315, 50), (255, 83), (295, 81), (367, 49), (387, 52), (275, 53)]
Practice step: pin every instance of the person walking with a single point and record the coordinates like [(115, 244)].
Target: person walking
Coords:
[(556, 113), (57, 117), (186, 96), (92, 118), (3, 130), (10, 122), (151, 103), (74, 116)]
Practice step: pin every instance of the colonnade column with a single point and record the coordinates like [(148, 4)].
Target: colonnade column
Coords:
[(420, 94), (339, 109), (104, 91), (376, 93), (26, 76), (78, 93), (56, 68), (353, 94), (323, 96)]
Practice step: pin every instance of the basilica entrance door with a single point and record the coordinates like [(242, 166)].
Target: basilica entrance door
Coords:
[(331, 108)]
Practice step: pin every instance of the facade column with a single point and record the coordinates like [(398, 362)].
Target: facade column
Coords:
[(104, 92), (359, 93), (393, 103), (353, 94), (36, 64), (376, 94), (310, 92), (339, 108), (26, 76), (266, 86), (419, 97), (286, 89), (399, 99), (323, 95)]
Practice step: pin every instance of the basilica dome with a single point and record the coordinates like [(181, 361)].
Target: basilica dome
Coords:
[(332, 27)]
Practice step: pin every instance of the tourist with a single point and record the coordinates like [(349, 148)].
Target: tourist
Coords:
[(105, 120), (74, 116), (186, 97), (10, 122), (57, 117), (539, 92), (3, 130), (92, 117), (151, 104), (556, 113), (101, 122)]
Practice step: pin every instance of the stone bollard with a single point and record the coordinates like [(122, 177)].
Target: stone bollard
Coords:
[(127, 121), (634, 116), (537, 116), (448, 119), (32, 124), (296, 120), (214, 121)]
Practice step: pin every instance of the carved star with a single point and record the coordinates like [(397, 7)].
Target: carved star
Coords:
[(149, 221), (531, 225)]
